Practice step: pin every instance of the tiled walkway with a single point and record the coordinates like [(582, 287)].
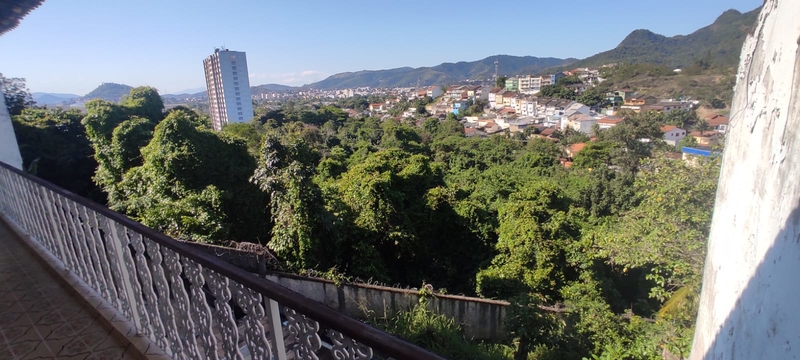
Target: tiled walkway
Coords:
[(40, 319)]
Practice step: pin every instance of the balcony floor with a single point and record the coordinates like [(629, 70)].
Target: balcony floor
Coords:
[(41, 319)]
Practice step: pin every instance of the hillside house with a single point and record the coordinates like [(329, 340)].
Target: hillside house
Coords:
[(673, 134), (636, 102), (581, 123), (574, 149), (608, 122), (718, 122), (706, 138), (378, 107), (434, 91)]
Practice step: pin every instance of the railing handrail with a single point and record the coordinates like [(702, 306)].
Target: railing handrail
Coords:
[(359, 331)]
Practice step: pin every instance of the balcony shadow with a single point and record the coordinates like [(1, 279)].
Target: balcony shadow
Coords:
[(765, 320)]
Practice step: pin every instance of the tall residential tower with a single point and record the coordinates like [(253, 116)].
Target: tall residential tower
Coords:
[(228, 87)]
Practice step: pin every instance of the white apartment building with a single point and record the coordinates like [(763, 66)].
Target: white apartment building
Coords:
[(228, 87), (531, 85)]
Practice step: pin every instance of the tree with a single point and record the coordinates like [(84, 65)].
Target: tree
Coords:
[(595, 155), (54, 147), (500, 81), (701, 125), (536, 227), (667, 231), (285, 172), (591, 97), (16, 93), (145, 102)]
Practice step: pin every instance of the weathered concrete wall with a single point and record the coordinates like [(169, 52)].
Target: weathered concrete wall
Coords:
[(9, 150), (480, 318), (751, 290)]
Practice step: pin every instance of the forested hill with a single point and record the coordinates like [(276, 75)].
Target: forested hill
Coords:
[(109, 92), (720, 43), (440, 74)]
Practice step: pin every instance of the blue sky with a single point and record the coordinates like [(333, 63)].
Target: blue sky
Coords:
[(71, 46)]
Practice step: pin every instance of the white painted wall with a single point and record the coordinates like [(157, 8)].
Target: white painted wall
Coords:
[(9, 150), (750, 303)]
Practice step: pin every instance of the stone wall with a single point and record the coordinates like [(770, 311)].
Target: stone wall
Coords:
[(748, 305), (481, 319)]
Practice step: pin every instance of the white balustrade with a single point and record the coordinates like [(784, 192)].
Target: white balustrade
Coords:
[(173, 295)]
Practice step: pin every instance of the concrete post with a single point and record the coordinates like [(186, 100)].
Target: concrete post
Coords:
[(750, 302), (9, 150)]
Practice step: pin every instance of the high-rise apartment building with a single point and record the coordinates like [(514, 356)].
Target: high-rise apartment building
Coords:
[(228, 87)]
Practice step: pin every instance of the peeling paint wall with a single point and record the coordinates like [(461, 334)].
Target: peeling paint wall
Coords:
[(751, 290), (9, 151)]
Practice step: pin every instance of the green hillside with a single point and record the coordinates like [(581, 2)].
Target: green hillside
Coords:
[(720, 43), (108, 91), (445, 73)]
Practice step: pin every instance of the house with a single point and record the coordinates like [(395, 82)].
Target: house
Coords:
[(508, 111), (690, 154), (410, 112), (527, 107), (377, 107), (673, 134), (519, 125), (619, 96), (718, 122), (509, 99), (512, 84), (608, 122), (547, 132), (460, 107), (456, 92), (578, 88), (493, 97), (530, 84), (636, 102), (574, 149), (434, 91), (473, 132), (581, 122), (576, 108), (706, 138)]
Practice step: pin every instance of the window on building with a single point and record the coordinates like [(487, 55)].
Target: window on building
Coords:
[(234, 73), (235, 78), (239, 103), (236, 88), (237, 94), (234, 68), (240, 114), (233, 62), (239, 108), (238, 99)]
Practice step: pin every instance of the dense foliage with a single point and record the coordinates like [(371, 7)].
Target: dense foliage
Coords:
[(601, 259)]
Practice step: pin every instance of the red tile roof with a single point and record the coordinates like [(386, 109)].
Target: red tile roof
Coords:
[(668, 128)]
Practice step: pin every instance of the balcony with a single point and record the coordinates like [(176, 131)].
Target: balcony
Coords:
[(78, 280)]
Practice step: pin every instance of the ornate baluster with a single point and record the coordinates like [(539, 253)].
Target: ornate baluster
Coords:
[(83, 243), (71, 259), (200, 309), (222, 293), (117, 238), (59, 250), (255, 335), (345, 348), (116, 243), (98, 250), (80, 259), (92, 237), (304, 334), (164, 304), (181, 310), (151, 300), (41, 220)]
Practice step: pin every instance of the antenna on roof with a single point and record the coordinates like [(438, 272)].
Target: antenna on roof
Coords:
[(496, 66)]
